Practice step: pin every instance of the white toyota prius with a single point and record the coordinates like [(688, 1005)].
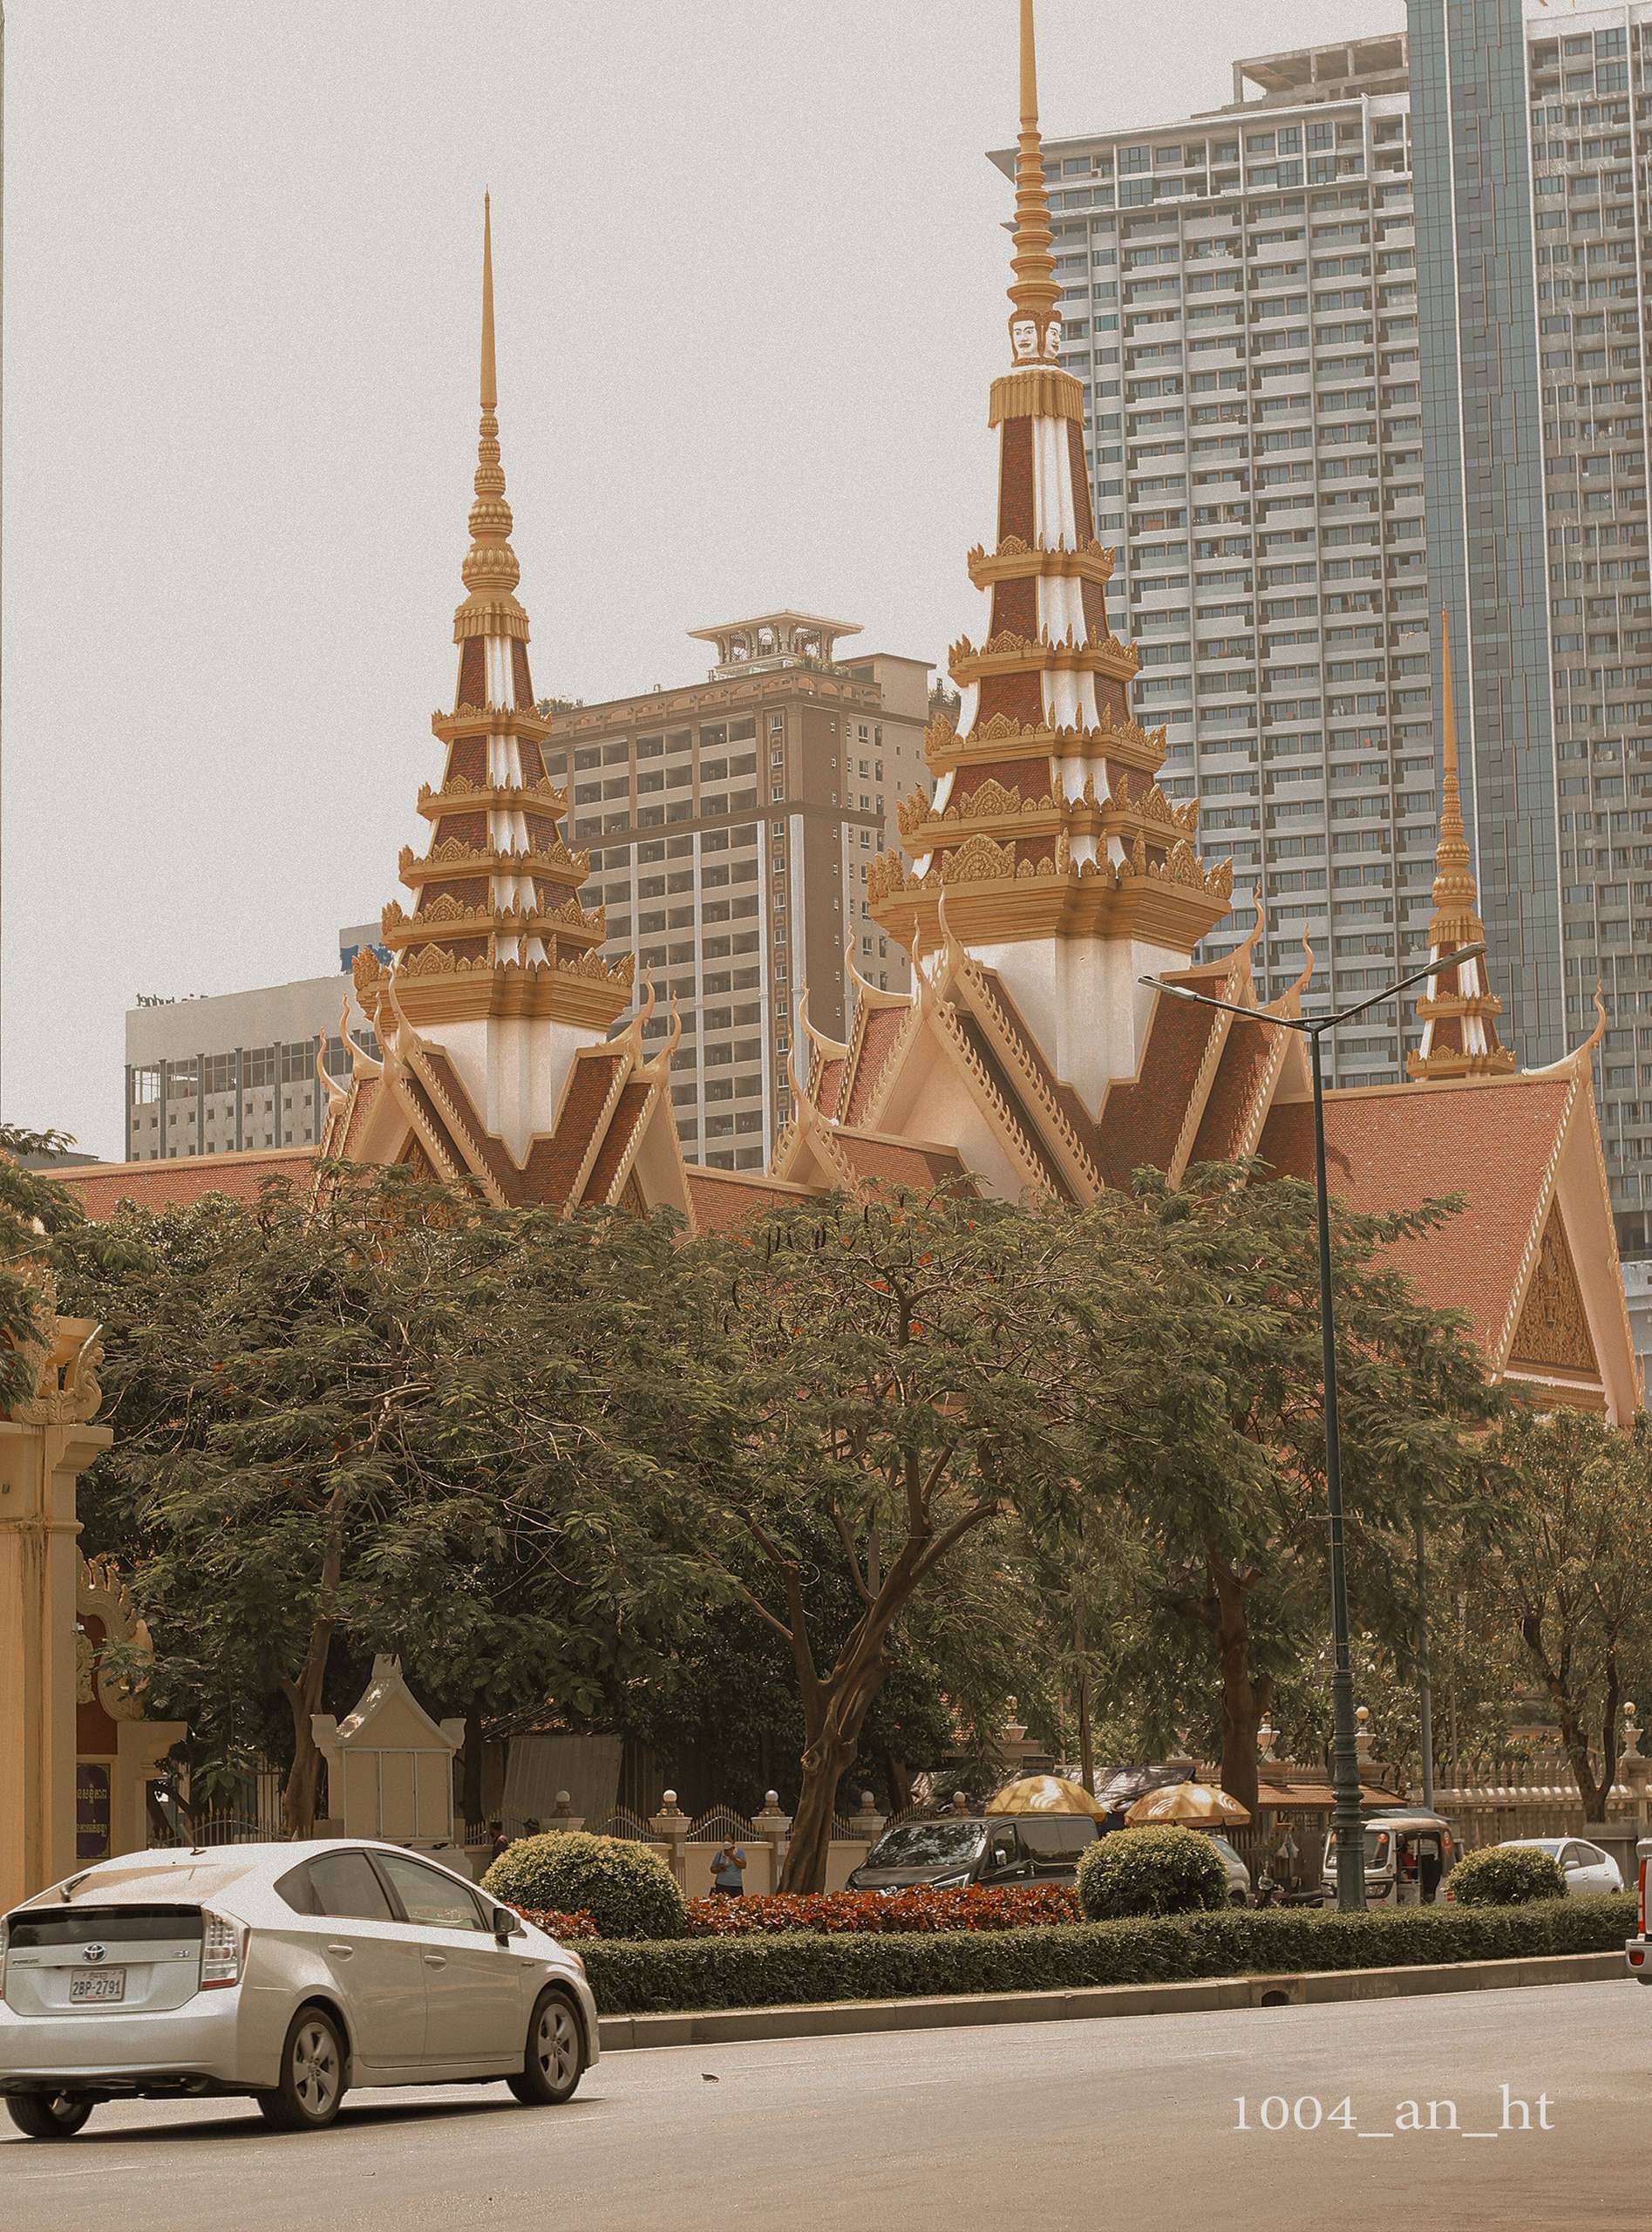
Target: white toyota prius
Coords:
[(287, 1972)]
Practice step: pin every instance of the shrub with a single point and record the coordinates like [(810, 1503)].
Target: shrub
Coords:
[(1152, 1871), (806, 1967), (1506, 1875), (1009, 1906), (626, 1890)]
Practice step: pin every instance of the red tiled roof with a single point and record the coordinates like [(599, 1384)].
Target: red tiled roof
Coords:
[(1141, 1121), (897, 1162), (1490, 1141), (721, 1198), (627, 1118), (882, 1026), (554, 1162), (1230, 1105), (181, 1181), (831, 1083)]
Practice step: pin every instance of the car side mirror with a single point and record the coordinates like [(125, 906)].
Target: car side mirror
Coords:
[(507, 1925)]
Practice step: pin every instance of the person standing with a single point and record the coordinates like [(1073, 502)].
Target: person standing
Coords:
[(728, 1869)]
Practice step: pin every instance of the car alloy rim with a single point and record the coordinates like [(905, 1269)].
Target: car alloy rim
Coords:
[(558, 2044), (315, 2069)]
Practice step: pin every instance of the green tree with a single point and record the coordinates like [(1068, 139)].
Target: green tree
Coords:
[(33, 1212), (1568, 1570), (392, 1420), (1209, 1472), (890, 1385)]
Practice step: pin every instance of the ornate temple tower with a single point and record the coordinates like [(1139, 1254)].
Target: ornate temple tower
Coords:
[(1458, 1012), (492, 1019), (497, 964), (1062, 863)]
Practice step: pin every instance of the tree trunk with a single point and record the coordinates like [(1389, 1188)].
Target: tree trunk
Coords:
[(303, 1694), (1240, 1711), (304, 1697), (844, 1700)]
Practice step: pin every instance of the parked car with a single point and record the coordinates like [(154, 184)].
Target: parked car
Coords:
[(951, 1850), (1238, 1873), (1404, 1844), (291, 1972), (1585, 1867)]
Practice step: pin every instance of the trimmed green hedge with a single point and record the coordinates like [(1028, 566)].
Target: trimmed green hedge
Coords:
[(1157, 1869), (1508, 1876), (805, 1967)]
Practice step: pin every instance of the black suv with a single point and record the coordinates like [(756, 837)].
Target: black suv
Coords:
[(951, 1850)]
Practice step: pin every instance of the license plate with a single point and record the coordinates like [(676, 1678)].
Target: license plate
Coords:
[(103, 1984)]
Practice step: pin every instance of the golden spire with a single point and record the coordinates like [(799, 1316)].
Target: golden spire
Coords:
[(1458, 1013), (490, 571), (1035, 328)]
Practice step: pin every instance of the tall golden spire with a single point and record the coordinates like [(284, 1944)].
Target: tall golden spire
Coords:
[(490, 571), (1035, 328), (1458, 1013)]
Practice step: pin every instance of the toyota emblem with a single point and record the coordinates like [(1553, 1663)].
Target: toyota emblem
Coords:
[(92, 1952)]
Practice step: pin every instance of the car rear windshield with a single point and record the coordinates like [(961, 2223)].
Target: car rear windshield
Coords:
[(79, 1925), (926, 1844)]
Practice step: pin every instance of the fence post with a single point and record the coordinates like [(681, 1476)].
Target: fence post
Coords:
[(774, 1828), (670, 1826), (564, 1818), (868, 1822)]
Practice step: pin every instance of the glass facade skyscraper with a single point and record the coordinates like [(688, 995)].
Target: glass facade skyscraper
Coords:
[(1534, 260)]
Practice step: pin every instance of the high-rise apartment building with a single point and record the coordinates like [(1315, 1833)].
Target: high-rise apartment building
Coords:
[(730, 824), (237, 1070), (1239, 293), (1534, 207)]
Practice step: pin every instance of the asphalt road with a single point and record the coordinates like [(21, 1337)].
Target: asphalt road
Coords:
[(1054, 2125)]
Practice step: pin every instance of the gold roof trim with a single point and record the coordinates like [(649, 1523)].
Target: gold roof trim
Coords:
[(1035, 391)]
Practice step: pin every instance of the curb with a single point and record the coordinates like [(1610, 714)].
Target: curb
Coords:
[(1313, 1988)]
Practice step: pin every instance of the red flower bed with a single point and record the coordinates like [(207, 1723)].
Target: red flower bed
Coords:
[(565, 1927), (1011, 1907)]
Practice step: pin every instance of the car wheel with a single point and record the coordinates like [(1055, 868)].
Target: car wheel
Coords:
[(49, 2115), (312, 2074), (555, 2061)]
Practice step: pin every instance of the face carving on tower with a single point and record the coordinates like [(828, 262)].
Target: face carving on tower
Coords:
[(1023, 335), (1052, 339)]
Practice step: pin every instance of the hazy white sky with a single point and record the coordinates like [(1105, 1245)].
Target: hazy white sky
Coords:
[(750, 286)]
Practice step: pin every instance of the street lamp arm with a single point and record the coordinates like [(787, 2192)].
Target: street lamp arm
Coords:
[(1229, 1007)]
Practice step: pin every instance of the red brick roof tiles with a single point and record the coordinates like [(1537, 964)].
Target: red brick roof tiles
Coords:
[(180, 1181), (1492, 1142), (1141, 1121), (722, 1199)]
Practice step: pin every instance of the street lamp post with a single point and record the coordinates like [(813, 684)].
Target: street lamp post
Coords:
[(1347, 1820)]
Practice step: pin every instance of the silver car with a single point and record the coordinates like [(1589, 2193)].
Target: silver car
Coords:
[(287, 1972)]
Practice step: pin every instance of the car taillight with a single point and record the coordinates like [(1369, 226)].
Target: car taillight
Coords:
[(4, 1934), (1640, 1918), (223, 1951)]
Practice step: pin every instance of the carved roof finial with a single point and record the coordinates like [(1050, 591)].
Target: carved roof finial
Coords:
[(1034, 328), (490, 571), (1457, 1013)]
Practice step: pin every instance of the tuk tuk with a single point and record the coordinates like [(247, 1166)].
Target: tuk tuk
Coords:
[(1408, 1853)]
